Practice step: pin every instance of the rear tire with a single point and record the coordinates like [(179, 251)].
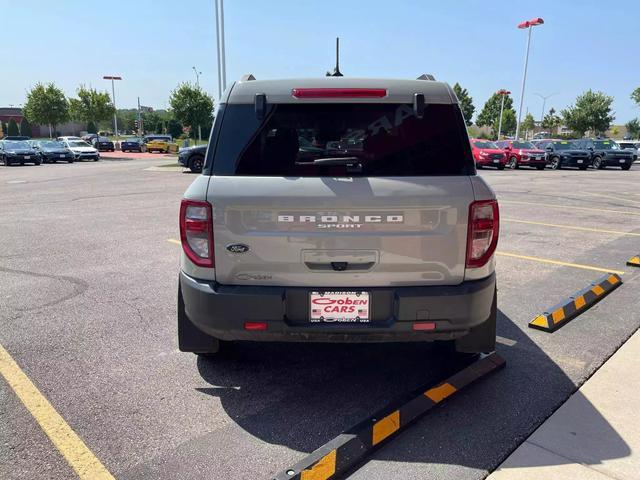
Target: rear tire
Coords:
[(626, 167), (481, 339), (555, 163), (191, 338), (196, 163)]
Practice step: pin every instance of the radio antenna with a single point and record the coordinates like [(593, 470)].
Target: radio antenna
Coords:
[(336, 72)]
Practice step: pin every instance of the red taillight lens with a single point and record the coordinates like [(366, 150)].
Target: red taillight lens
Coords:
[(339, 92), (482, 234), (196, 232)]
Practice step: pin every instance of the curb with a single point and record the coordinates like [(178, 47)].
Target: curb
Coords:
[(570, 308), (350, 448)]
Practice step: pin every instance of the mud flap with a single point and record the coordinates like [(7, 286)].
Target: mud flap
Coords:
[(481, 339), (191, 338)]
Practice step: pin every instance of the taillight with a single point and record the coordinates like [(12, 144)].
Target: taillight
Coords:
[(196, 232), (482, 234), (339, 92)]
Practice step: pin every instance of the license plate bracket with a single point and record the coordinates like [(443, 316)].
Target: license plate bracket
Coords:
[(339, 307)]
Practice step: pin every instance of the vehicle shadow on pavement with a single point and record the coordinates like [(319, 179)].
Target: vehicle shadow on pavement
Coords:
[(302, 395)]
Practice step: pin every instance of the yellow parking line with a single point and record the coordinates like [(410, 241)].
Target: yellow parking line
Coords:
[(571, 227), (173, 240), (558, 262), (568, 207), (70, 445)]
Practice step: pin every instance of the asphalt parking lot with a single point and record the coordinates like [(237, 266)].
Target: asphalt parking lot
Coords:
[(88, 269)]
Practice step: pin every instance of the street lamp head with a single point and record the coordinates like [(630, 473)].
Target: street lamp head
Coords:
[(502, 91), (531, 23), (111, 77)]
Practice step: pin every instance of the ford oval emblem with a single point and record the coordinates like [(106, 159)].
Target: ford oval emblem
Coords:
[(238, 248)]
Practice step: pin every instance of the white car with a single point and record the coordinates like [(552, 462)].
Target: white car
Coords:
[(633, 145), (82, 150), (64, 139)]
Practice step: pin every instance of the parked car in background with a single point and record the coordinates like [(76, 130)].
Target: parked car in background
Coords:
[(18, 151), (89, 137), (52, 151), (82, 150), (103, 144), (160, 143), (606, 153), (65, 138), (134, 144), (563, 153), (523, 154), (488, 154), (632, 146), (16, 137), (541, 135), (193, 158)]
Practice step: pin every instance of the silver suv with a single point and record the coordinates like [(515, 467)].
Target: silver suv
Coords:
[(338, 210)]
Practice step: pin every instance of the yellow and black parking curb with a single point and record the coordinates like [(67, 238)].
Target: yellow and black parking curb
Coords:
[(634, 261), (350, 448), (570, 308)]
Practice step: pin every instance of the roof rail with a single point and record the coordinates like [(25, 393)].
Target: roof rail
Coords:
[(247, 77), (426, 76)]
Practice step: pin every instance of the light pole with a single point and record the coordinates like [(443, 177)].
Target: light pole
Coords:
[(503, 93), (528, 24), (544, 102), (113, 92), (198, 85)]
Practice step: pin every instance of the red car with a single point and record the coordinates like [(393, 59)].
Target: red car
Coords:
[(523, 154), (487, 154)]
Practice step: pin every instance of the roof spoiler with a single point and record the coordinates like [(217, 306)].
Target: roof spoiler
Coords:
[(427, 76)]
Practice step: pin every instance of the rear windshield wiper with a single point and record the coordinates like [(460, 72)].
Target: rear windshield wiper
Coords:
[(352, 164)]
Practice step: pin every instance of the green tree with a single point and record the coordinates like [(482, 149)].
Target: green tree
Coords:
[(490, 114), (91, 127), (466, 103), (91, 106), (12, 128), (551, 121), (174, 128), (46, 105), (192, 107), (592, 111), (633, 128), (25, 128), (528, 124), (635, 96)]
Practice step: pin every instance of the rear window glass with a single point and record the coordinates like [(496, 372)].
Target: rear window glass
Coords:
[(333, 140)]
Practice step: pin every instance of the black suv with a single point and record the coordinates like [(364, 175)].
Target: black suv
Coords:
[(563, 153), (193, 158), (606, 153)]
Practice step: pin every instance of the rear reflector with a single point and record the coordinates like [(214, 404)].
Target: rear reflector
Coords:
[(255, 325), (424, 326), (339, 92)]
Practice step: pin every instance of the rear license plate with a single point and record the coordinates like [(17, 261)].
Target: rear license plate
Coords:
[(622, 161), (27, 157), (580, 161), (62, 156), (496, 161), (339, 307)]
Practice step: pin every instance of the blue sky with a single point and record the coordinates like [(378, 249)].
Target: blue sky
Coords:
[(153, 44)]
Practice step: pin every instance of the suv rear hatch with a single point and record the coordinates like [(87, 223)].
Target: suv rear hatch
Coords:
[(337, 194)]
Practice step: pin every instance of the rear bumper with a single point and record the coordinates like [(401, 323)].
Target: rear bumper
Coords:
[(221, 311), (486, 162), (617, 162), (575, 162)]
